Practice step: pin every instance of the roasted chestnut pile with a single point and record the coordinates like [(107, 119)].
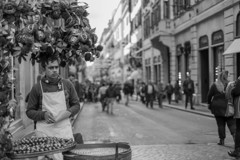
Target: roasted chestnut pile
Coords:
[(40, 144)]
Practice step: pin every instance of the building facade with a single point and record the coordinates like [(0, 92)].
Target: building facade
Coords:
[(177, 38)]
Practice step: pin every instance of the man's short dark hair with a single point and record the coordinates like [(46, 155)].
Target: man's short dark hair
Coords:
[(51, 59)]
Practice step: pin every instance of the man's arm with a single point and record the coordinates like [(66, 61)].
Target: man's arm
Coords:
[(34, 111)]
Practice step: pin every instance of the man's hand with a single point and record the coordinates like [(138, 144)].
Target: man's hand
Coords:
[(49, 117)]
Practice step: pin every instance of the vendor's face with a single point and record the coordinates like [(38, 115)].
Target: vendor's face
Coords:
[(52, 69)]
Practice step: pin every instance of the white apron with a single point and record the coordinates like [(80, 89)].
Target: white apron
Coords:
[(55, 102)]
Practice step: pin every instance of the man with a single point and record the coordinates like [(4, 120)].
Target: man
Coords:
[(160, 94), (111, 95), (126, 91), (150, 94), (51, 103), (169, 91), (188, 89), (102, 95)]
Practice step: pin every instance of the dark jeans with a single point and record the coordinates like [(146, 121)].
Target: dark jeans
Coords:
[(221, 123), (149, 100), (237, 134), (189, 98), (160, 100), (169, 97)]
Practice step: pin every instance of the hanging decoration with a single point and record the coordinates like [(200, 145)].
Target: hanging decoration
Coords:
[(37, 31)]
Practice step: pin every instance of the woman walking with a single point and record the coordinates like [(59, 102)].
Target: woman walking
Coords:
[(218, 106)]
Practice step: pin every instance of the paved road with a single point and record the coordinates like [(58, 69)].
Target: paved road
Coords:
[(154, 133)]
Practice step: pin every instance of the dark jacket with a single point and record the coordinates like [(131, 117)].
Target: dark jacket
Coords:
[(217, 111), (34, 108), (235, 94), (111, 92), (146, 89), (186, 88)]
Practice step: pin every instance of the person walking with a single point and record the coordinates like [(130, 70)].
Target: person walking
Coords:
[(160, 94), (236, 103), (110, 94), (150, 94), (218, 105), (102, 95), (169, 91), (126, 91), (177, 90), (188, 89), (52, 102)]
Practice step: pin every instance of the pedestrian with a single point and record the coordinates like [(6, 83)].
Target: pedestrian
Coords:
[(218, 106), (160, 94), (51, 103), (142, 92), (111, 95), (150, 94), (236, 103), (177, 91), (102, 95), (126, 91), (169, 91), (188, 89), (118, 89)]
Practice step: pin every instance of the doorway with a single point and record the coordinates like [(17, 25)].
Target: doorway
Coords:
[(238, 65), (204, 74)]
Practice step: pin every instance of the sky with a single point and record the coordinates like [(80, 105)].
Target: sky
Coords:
[(100, 13)]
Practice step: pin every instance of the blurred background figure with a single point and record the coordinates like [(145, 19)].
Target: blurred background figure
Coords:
[(177, 91), (169, 91), (188, 89), (118, 89), (149, 94), (159, 94), (111, 95), (126, 91), (102, 95)]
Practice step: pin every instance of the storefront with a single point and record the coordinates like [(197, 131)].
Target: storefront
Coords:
[(217, 51), (204, 66)]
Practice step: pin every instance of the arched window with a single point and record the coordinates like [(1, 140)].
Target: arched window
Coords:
[(238, 25)]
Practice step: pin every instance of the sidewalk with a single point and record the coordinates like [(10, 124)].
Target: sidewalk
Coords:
[(199, 109)]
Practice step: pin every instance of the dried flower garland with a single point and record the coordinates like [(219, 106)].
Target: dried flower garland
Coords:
[(40, 31)]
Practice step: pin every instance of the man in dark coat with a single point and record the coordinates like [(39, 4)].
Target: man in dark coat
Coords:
[(188, 89)]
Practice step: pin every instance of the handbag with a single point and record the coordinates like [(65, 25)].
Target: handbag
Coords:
[(229, 110), (218, 105)]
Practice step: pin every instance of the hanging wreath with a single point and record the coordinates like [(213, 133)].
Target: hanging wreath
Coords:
[(40, 31)]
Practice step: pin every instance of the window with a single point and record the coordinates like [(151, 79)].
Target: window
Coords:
[(238, 25), (147, 26), (166, 10), (156, 15)]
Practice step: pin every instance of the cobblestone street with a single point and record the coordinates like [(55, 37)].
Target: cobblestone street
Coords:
[(180, 152)]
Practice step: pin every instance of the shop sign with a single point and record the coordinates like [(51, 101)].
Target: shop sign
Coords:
[(217, 37), (203, 41)]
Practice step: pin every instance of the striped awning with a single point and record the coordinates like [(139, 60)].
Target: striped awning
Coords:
[(233, 48)]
